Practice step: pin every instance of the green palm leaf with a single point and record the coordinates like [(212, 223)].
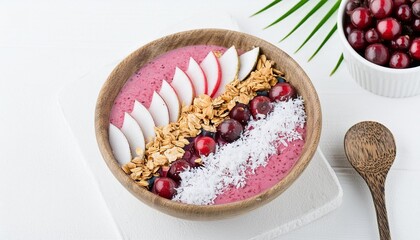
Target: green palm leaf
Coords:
[(321, 23), (292, 10), (325, 41), (267, 7), (318, 6), (340, 60)]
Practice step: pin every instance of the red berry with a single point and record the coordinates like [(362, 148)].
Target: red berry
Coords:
[(415, 49), (356, 39), (260, 107), (380, 8), (240, 112), (399, 60), (404, 13), (398, 3), (416, 8), (416, 25), (389, 28), (351, 5), (282, 92), (372, 36), (401, 43), (377, 53), (205, 145), (230, 130), (163, 171), (176, 168), (164, 187), (361, 18), (349, 28)]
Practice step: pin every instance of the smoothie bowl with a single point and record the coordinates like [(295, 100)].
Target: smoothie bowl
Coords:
[(207, 124)]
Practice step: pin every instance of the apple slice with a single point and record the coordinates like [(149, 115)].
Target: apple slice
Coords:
[(159, 110), (171, 99), (133, 133), (248, 61), (197, 77), (211, 69), (145, 120), (229, 63), (183, 87), (119, 145)]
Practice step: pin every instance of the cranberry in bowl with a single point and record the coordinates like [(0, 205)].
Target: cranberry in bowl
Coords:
[(381, 45)]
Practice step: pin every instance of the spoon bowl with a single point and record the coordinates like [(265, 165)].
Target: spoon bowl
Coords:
[(370, 149)]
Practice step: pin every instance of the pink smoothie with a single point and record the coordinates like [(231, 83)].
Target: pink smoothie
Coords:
[(149, 78), (278, 166)]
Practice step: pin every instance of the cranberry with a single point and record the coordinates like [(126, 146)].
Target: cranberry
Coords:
[(416, 25), (351, 5), (349, 28), (404, 13), (389, 28), (205, 145), (230, 130), (164, 187), (398, 3), (399, 60), (177, 167), (415, 49), (401, 43), (372, 36), (377, 53), (260, 107), (282, 92), (240, 112), (380, 8), (356, 39), (361, 18), (416, 8)]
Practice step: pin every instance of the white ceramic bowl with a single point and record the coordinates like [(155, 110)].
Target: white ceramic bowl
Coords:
[(377, 79)]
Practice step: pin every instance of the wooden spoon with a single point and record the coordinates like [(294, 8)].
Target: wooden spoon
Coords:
[(370, 148)]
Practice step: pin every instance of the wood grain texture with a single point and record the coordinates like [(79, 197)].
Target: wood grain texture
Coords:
[(225, 38), (371, 150)]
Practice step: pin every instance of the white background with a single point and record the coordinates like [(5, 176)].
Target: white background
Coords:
[(46, 190)]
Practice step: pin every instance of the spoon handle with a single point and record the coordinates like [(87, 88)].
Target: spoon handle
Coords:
[(376, 184)]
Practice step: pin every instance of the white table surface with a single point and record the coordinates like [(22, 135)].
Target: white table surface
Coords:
[(46, 190)]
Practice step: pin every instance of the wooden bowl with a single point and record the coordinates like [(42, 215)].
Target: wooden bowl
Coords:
[(225, 38)]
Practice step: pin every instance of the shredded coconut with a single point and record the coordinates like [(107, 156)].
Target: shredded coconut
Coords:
[(228, 165)]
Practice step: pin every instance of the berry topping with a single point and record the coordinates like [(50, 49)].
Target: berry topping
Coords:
[(206, 133), (389, 28), (240, 112), (230, 129), (177, 167), (361, 18), (282, 92), (377, 53), (164, 187), (260, 107), (205, 145)]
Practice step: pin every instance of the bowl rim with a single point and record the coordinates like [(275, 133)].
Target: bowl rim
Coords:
[(340, 17), (205, 212)]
